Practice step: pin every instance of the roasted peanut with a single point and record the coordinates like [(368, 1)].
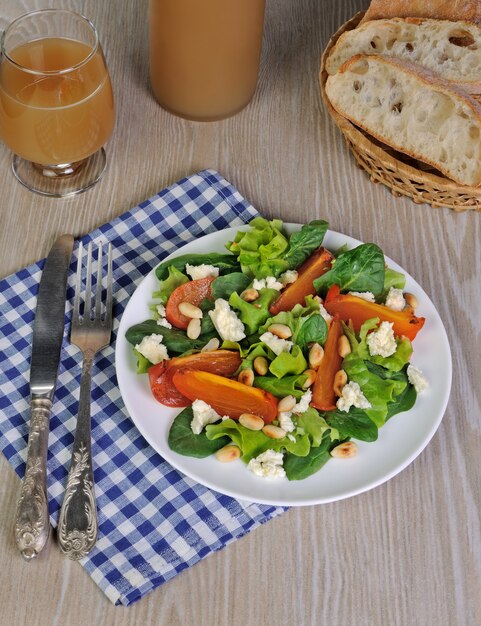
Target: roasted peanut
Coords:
[(260, 365), (340, 379), (286, 404), (310, 378), (249, 295), (274, 432), (343, 346), (316, 354), (190, 310), (280, 330), (246, 377), (251, 421), (212, 344), (344, 450), (411, 300), (228, 453), (193, 329)]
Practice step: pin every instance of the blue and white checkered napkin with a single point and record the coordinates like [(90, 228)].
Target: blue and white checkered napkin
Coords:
[(154, 522)]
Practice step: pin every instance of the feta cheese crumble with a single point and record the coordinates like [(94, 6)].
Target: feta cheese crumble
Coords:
[(226, 322), (365, 295), (203, 414), (352, 396), (270, 282), (288, 277), (276, 344), (267, 465), (152, 348), (303, 404), (285, 421), (162, 321), (417, 378), (395, 299), (324, 314), (382, 341), (201, 271)]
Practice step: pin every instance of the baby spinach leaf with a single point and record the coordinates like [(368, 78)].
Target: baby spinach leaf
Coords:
[(176, 341), (300, 467), (313, 330), (303, 242), (359, 269), (183, 441), (225, 262), (224, 286), (354, 424)]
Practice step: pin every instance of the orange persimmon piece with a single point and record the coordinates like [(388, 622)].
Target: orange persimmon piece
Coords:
[(317, 264), (227, 397), (222, 362), (349, 307), (194, 292), (323, 396)]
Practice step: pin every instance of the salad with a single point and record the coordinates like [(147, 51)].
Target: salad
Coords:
[(279, 352)]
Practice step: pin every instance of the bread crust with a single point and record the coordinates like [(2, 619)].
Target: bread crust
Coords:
[(431, 79), (454, 10)]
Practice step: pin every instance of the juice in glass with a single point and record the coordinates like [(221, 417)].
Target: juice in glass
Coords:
[(204, 55), (56, 102)]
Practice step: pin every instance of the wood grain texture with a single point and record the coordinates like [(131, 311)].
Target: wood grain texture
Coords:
[(407, 553)]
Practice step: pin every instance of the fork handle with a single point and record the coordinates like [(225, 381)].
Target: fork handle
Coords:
[(78, 526)]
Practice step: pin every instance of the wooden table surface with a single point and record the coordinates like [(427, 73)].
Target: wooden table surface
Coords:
[(405, 553)]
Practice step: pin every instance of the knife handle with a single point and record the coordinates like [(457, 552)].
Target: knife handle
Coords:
[(31, 523)]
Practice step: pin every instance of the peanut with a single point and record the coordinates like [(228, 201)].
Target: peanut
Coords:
[(260, 365), (274, 432), (190, 310), (249, 295), (340, 379), (286, 404), (316, 354), (411, 300), (228, 453), (344, 450), (251, 421), (310, 378), (193, 329), (280, 330), (246, 377), (343, 346), (212, 344)]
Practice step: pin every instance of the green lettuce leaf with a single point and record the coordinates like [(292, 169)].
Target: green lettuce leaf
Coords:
[(281, 387), (316, 426), (253, 315), (286, 363), (174, 278), (392, 279)]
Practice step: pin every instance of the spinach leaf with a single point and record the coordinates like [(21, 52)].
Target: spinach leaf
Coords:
[(176, 341), (174, 279), (280, 387), (359, 269), (404, 400), (300, 467), (183, 441), (225, 262), (303, 242), (355, 424), (224, 286), (314, 329)]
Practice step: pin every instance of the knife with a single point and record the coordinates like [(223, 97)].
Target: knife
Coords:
[(32, 523)]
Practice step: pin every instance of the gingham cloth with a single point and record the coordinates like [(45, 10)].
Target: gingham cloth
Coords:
[(153, 521)]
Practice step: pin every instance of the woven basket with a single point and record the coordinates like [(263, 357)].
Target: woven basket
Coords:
[(403, 175)]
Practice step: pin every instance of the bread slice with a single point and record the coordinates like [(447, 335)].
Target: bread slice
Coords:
[(412, 110), (453, 49), (466, 10)]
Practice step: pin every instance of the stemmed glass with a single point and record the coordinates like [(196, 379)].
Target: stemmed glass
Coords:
[(56, 101)]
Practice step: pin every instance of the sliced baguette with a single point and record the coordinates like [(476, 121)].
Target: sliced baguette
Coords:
[(453, 49), (466, 10), (412, 110)]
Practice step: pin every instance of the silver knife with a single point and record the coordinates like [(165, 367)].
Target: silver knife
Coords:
[(32, 523)]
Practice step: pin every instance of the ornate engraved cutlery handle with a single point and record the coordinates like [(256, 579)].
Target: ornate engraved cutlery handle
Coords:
[(77, 526), (31, 523)]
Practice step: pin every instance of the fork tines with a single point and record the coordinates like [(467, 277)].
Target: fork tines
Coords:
[(93, 292)]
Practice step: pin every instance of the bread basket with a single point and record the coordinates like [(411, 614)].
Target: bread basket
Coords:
[(403, 175)]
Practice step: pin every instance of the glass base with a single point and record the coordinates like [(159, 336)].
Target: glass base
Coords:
[(60, 181)]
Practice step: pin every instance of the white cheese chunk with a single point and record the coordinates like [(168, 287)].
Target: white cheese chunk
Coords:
[(288, 277), (417, 378), (324, 314), (395, 299), (270, 282), (267, 465), (365, 295), (352, 396), (382, 341), (152, 348), (303, 404), (197, 272), (226, 322), (276, 344), (203, 414), (285, 421)]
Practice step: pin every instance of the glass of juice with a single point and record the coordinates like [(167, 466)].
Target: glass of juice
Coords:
[(56, 101), (204, 55)]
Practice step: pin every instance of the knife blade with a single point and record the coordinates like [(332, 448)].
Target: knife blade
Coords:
[(32, 523)]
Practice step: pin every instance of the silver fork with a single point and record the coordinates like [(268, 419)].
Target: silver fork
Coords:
[(78, 526)]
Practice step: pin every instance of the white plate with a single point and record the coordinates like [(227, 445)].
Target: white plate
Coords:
[(400, 440)]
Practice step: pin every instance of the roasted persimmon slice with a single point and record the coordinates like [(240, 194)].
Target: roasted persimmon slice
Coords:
[(222, 362), (323, 396), (227, 397), (353, 308), (194, 292), (316, 265)]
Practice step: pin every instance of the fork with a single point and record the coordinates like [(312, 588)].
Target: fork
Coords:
[(78, 525)]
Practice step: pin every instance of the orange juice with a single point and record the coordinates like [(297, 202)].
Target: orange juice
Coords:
[(204, 55), (60, 117)]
